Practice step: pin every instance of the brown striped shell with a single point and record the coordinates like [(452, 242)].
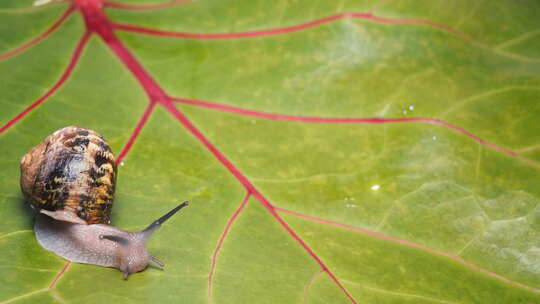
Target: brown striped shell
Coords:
[(72, 169)]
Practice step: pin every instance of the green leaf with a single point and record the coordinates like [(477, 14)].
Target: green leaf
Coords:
[(441, 205)]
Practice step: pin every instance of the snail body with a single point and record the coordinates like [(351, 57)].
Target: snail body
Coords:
[(70, 180)]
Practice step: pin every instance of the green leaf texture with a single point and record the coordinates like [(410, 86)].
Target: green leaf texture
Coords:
[(413, 211)]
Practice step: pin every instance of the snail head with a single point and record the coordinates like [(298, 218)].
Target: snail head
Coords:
[(132, 253)]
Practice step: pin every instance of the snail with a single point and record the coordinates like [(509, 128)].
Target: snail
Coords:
[(70, 180)]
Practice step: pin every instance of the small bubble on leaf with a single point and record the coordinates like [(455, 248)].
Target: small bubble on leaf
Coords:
[(375, 187)]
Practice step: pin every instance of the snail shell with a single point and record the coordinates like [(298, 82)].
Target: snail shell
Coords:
[(70, 179), (72, 172)]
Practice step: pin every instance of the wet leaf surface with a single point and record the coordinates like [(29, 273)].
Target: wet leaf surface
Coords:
[(332, 151)]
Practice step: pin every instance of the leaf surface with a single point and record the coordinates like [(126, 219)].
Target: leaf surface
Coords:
[(332, 151)]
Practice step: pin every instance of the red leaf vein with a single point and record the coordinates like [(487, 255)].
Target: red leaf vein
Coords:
[(72, 63), (40, 37), (59, 275), (295, 28), (219, 244), (407, 243), (96, 21), (133, 137), (342, 120)]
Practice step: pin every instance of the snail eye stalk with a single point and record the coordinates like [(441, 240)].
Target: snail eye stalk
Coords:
[(147, 232), (158, 262)]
